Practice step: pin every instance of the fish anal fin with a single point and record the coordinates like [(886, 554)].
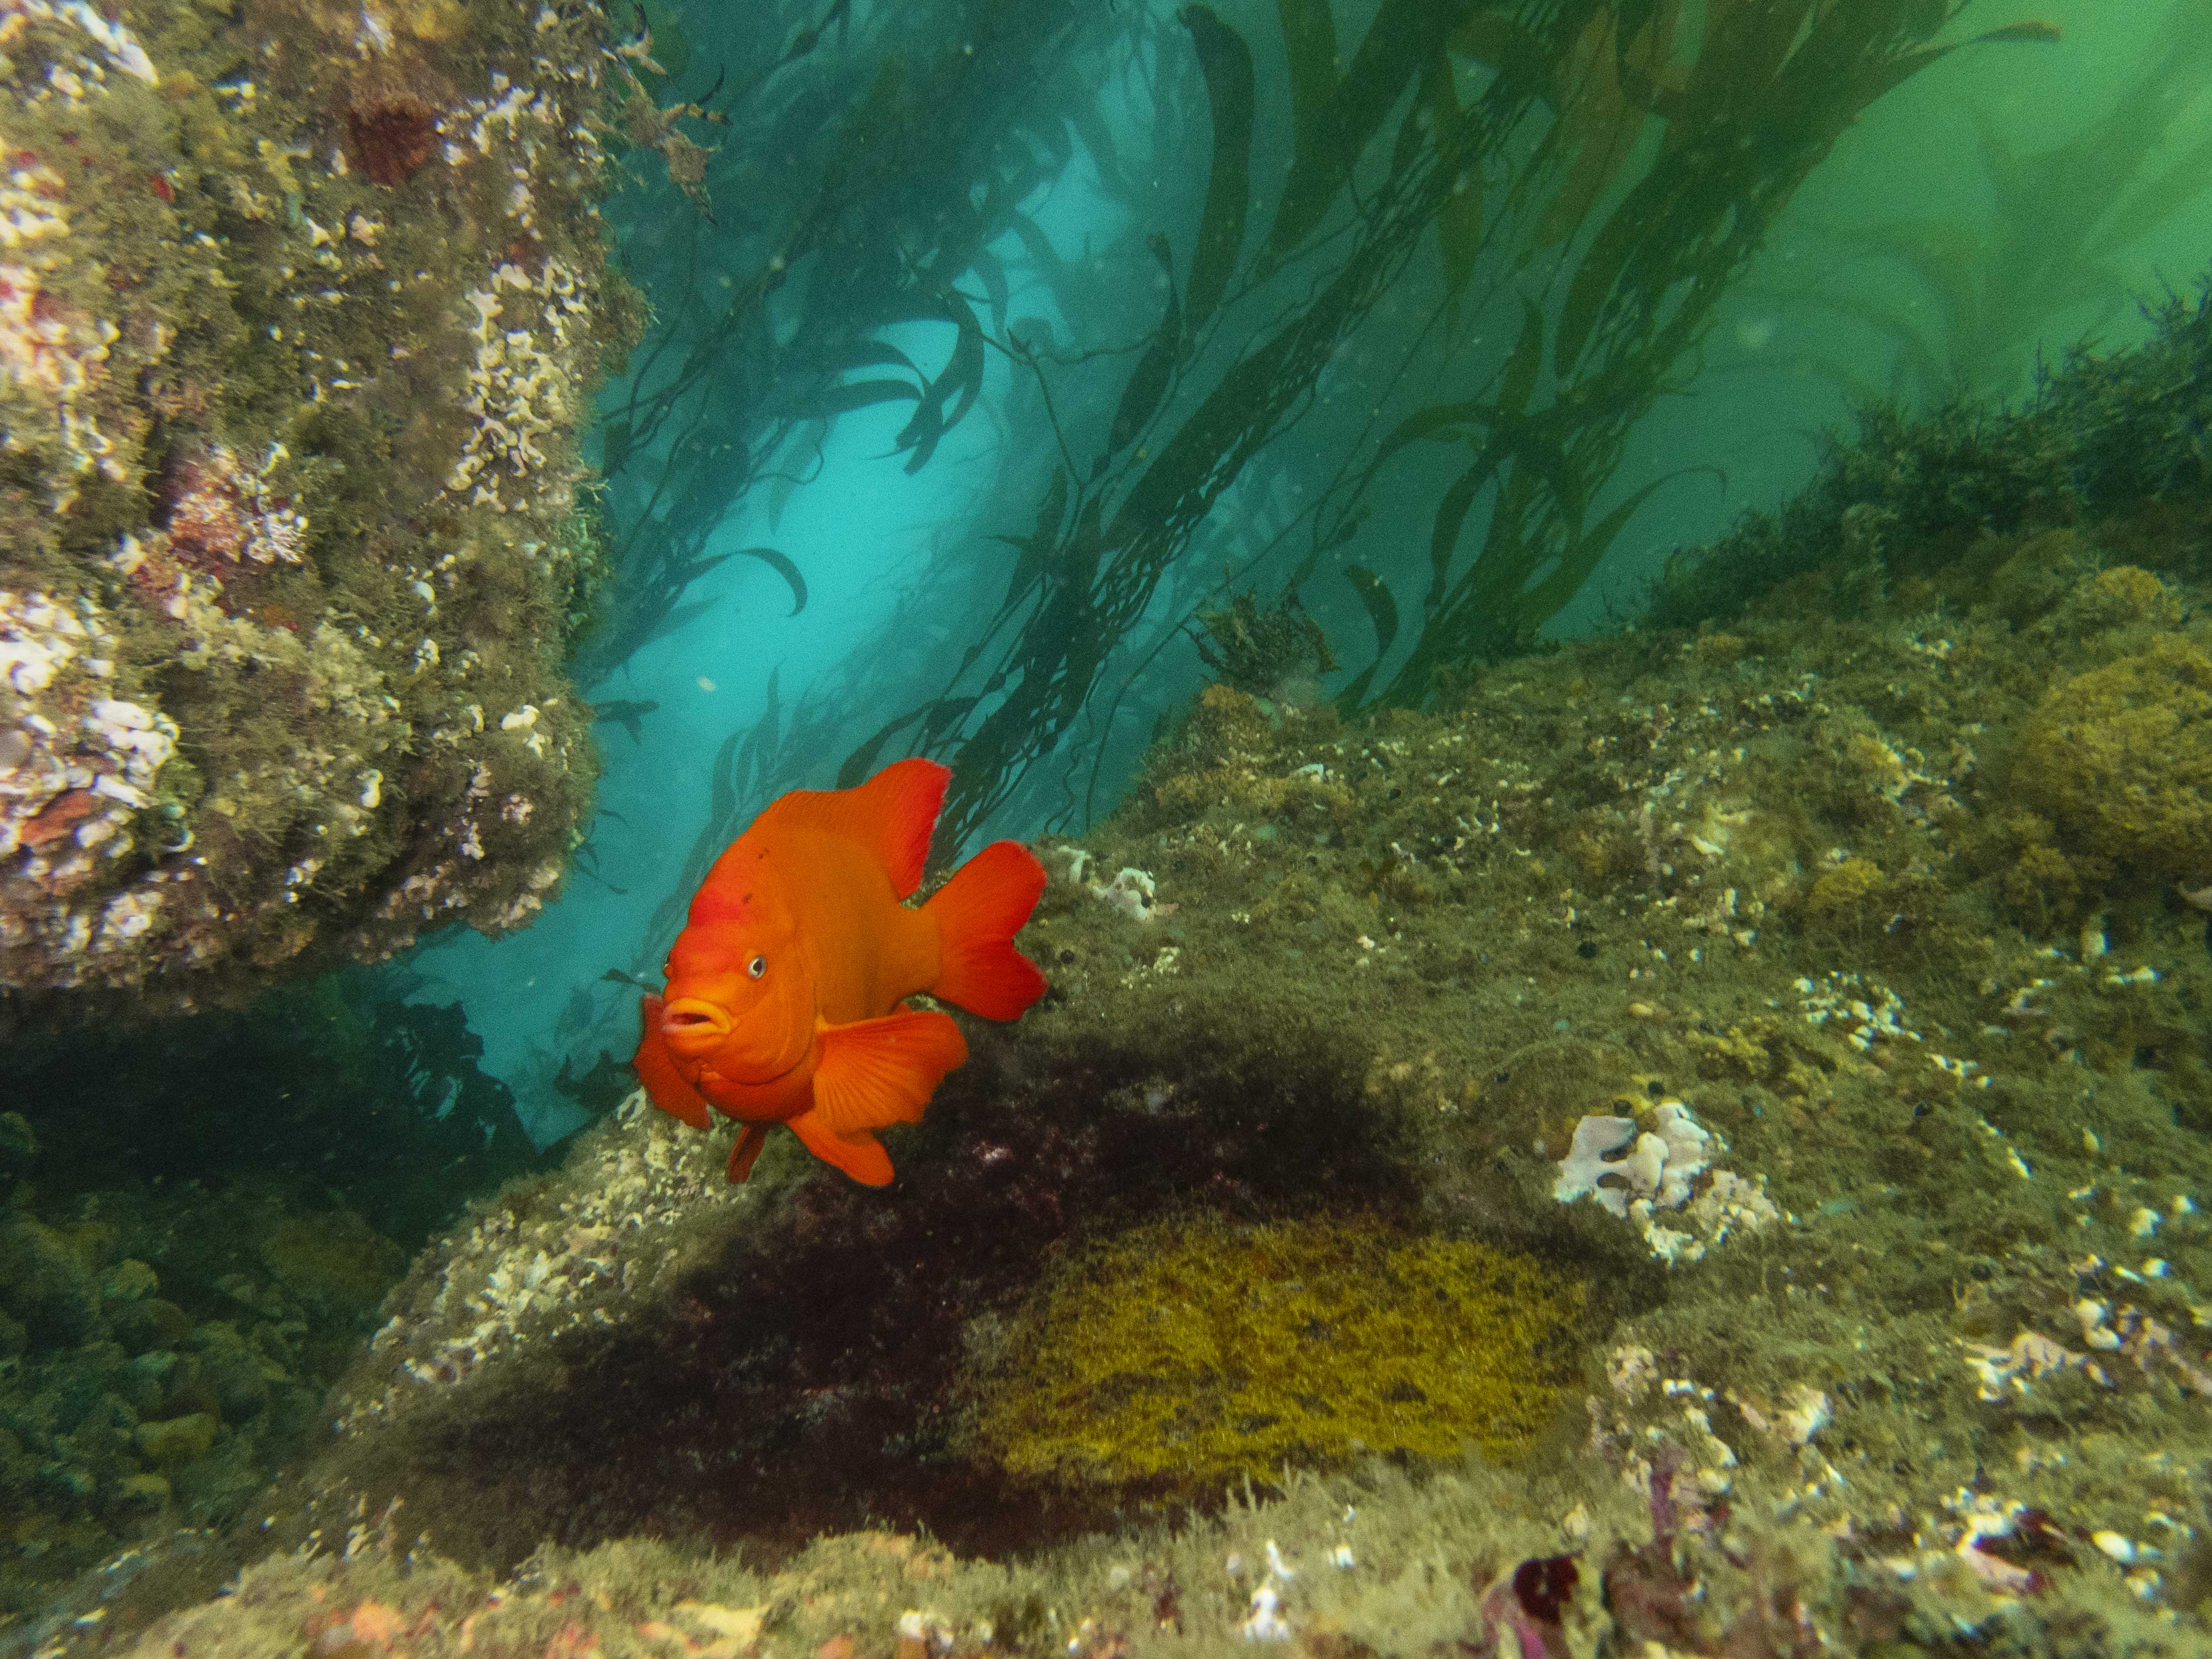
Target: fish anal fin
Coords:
[(978, 913), (745, 1150), (860, 1155), (875, 1072), (664, 1086), (893, 815)]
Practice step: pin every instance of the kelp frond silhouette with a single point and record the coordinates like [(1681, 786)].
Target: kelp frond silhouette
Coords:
[(1598, 174), (831, 225), (2049, 245)]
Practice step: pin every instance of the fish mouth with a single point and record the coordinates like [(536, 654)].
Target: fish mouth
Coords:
[(694, 1020)]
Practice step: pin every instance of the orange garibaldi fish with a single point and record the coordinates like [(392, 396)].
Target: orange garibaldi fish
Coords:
[(785, 988)]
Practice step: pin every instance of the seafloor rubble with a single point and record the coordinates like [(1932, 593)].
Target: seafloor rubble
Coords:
[(300, 309), (134, 1399), (1748, 1084), (176, 1299)]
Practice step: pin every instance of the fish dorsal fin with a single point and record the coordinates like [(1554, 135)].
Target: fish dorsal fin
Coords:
[(893, 815), (875, 1072)]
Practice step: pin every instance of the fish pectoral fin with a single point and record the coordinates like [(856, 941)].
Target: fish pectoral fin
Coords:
[(875, 1072), (745, 1150), (664, 1086), (860, 1155)]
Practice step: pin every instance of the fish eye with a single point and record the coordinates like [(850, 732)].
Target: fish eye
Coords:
[(757, 966)]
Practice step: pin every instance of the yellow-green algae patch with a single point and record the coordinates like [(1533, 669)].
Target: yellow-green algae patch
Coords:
[(1191, 1352), (2121, 757)]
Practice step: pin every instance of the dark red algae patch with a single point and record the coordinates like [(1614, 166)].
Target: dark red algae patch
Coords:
[(810, 1378), (391, 139)]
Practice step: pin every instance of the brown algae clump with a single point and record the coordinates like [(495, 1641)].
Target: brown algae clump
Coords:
[(2121, 758), (2124, 594), (1181, 1354), (1844, 899)]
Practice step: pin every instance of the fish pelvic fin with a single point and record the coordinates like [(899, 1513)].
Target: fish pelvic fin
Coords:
[(745, 1150), (875, 1072), (664, 1086), (860, 1155), (978, 913), (893, 815)]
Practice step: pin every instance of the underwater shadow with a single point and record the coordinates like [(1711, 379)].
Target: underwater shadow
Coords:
[(813, 1377)]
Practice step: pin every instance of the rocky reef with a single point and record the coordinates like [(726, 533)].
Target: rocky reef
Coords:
[(300, 309), (175, 1298), (1696, 1143), (1745, 1051)]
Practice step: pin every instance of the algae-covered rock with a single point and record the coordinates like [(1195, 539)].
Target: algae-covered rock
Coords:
[(299, 310), (129, 1280), (178, 1439), (123, 1411), (155, 1324), (43, 1282), (2120, 758), (2119, 595), (337, 1261), (1662, 1045), (1474, 1560), (1845, 897), (240, 1376)]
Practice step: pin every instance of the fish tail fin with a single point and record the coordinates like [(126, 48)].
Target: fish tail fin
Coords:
[(978, 913)]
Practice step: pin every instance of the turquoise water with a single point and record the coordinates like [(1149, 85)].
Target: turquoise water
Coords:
[(2001, 148)]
